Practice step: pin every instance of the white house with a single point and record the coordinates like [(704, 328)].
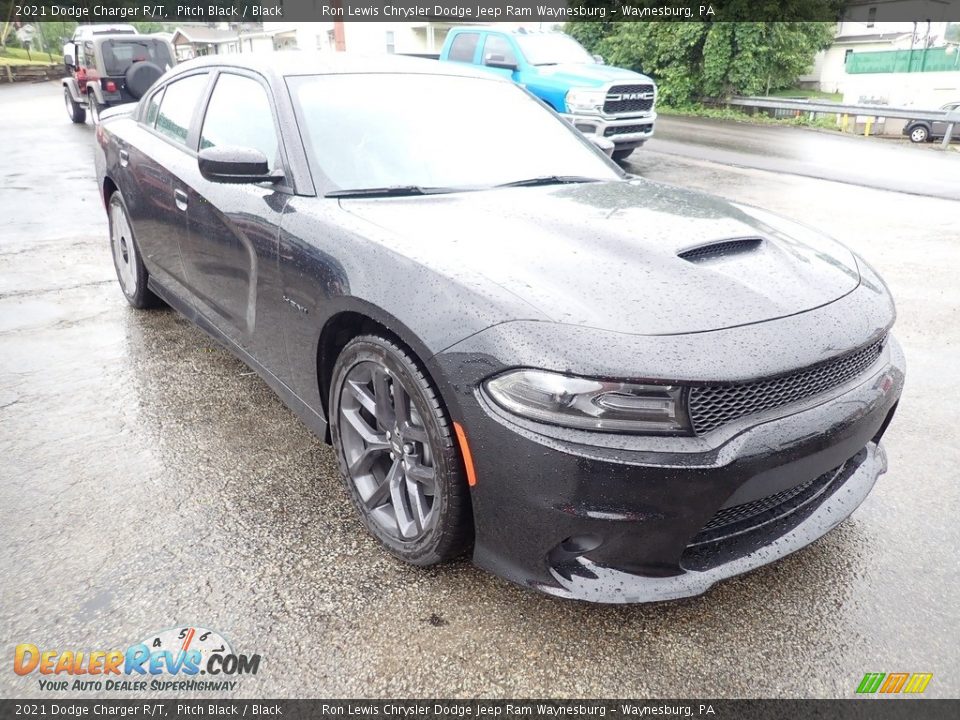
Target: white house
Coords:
[(365, 37), (836, 69)]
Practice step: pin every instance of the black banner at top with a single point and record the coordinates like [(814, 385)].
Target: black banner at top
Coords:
[(869, 12)]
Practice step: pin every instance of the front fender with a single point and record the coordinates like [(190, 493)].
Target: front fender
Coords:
[(71, 85)]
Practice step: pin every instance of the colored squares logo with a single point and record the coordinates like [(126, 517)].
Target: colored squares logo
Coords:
[(893, 683)]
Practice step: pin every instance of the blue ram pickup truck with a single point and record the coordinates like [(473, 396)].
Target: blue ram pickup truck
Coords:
[(611, 102)]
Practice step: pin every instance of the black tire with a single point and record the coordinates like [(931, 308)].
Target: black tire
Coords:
[(93, 109), (448, 529), (140, 77), (75, 111), (131, 272), (621, 155), (919, 134)]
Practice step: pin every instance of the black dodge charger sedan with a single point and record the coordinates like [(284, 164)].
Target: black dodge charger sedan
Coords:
[(605, 388)]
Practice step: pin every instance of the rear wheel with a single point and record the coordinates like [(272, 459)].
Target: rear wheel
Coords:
[(75, 110), (94, 108), (396, 451), (131, 271), (919, 134)]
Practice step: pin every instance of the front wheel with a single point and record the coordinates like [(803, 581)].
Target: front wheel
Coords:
[(131, 271), (75, 110), (396, 451), (621, 155), (919, 134)]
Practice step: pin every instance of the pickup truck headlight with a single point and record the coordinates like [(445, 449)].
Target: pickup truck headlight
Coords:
[(590, 404), (585, 100)]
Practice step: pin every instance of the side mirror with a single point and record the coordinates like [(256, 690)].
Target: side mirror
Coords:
[(604, 145), (226, 164), (598, 59), (499, 61), (68, 61)]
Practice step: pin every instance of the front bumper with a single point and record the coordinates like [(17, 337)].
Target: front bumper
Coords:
[(629, 523), (632, 131)]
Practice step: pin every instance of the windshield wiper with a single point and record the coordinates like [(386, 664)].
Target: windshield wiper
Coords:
[(549, 180), (391, 191)]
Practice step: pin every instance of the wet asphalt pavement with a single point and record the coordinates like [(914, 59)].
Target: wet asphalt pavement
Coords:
[(150, 480), (885, 163)]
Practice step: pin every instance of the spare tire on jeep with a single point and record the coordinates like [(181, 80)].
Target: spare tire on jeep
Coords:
[(140, 76)]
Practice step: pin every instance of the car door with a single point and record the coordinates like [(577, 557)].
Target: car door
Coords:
[(230, 251), (153, 163)]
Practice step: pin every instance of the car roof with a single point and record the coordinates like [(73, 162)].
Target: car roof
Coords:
[(505, 31), (289, 63)]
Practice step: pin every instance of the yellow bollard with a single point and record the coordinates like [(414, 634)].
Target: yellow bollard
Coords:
[(843, 124), (866, 129)]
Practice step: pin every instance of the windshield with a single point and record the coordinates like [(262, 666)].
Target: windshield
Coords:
[(118, 55), (552, 49), (434, 131)]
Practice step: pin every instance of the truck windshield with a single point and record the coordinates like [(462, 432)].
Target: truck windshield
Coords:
[(437, 132), (552, 49), (118, 55)]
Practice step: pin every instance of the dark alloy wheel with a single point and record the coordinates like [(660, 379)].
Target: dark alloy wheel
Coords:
[(131, 272), (397, 453), (75, 111)]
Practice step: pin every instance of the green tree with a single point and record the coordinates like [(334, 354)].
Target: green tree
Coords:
[(692, 61)]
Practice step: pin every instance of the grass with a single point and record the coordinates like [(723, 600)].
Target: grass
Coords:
[(720, 113), (18, 56)]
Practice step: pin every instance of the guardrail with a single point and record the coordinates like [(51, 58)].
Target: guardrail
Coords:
[(952, 118)]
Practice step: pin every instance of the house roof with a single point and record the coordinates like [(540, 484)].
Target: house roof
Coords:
[(213, 36), (871, 38)]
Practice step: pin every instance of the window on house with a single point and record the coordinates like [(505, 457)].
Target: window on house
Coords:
[(871, 16), (391, 43)]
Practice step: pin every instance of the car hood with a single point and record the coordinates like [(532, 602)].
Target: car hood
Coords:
[(606, 255), (589, 74)]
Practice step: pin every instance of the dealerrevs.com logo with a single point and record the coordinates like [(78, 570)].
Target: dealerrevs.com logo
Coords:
[(170, 660), (894, 683)]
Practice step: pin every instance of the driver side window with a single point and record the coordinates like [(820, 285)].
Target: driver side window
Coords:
[(497, 49), (239, 114)]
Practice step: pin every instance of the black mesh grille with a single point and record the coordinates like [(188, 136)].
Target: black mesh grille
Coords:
[(714, 405), (620, 100), (721, 248), (625, 129), (739, 513), (747, 516)]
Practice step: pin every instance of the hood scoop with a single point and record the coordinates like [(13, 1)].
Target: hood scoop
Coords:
[(721, 249)]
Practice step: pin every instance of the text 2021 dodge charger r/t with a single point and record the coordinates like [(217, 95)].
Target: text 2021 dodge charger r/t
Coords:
[(608, 388)]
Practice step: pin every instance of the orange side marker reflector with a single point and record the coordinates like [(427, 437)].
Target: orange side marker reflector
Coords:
[(467, 457)]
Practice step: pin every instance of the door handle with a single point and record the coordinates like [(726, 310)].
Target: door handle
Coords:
[(124, 158), (180, 198)]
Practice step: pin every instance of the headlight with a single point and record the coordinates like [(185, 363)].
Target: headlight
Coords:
[(585, 100), (590, 404)]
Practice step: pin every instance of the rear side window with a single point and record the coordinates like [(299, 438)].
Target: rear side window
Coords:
[(239, 114), (153, 108), (176, 109), (463, 48)]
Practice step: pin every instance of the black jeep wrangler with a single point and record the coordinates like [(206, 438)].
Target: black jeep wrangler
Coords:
[(107, 70)]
